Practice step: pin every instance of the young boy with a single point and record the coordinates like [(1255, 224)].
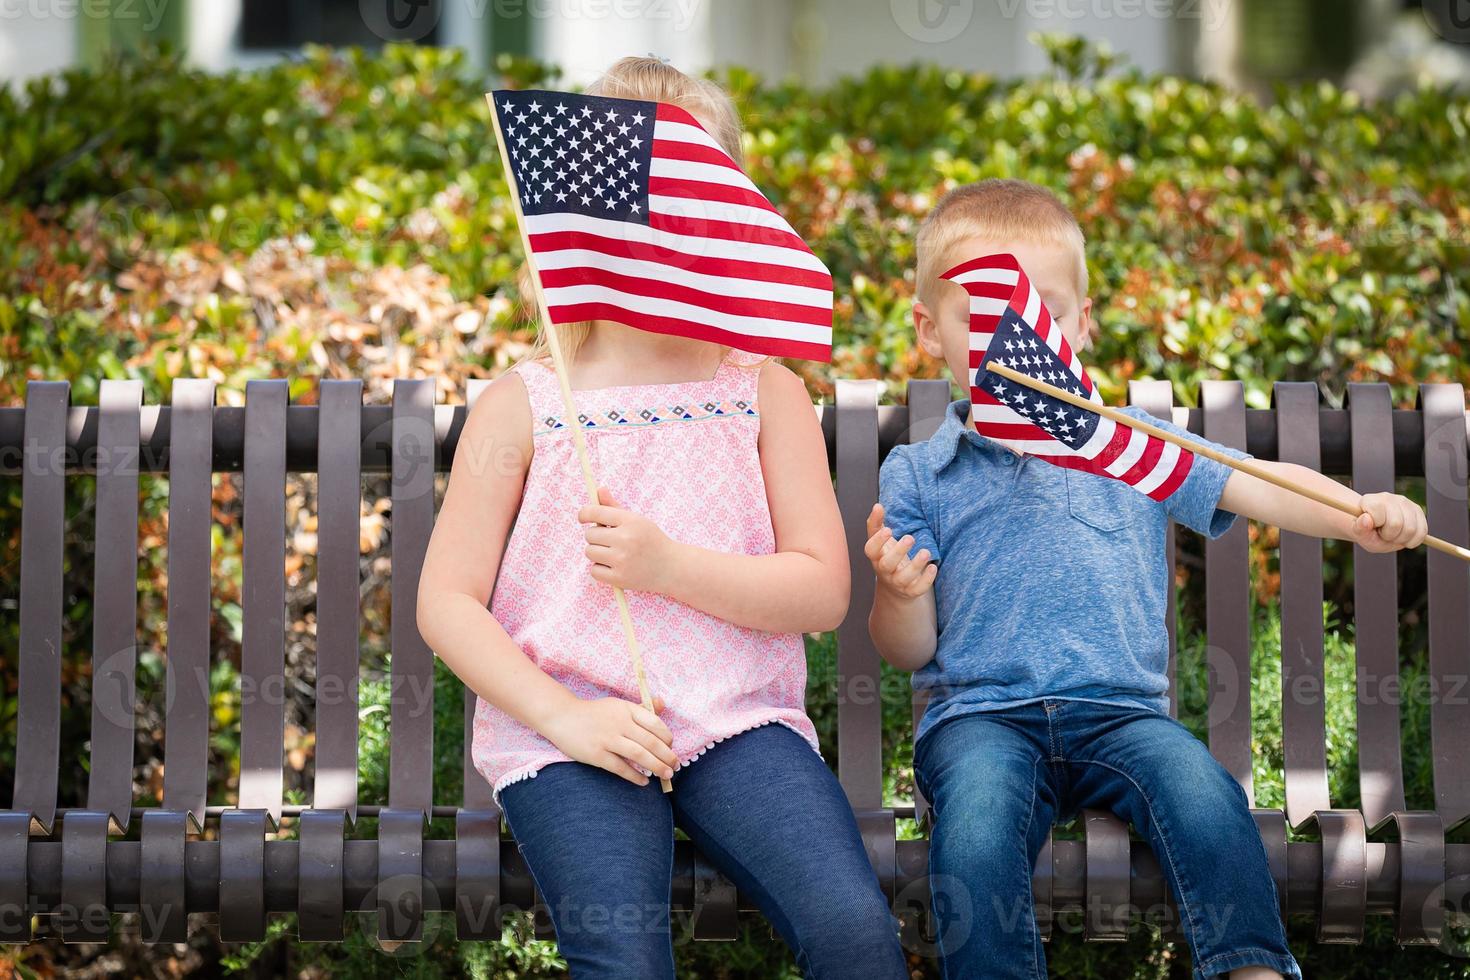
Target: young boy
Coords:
[(1039, 633)]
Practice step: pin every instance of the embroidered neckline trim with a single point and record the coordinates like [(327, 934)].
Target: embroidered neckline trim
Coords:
[(615, 418)]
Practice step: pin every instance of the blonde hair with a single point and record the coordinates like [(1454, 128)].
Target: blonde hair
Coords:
[(649, 80), (1000, 209)]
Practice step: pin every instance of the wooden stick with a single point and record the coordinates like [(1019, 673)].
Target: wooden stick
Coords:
[(1244, 465), (570, 406)]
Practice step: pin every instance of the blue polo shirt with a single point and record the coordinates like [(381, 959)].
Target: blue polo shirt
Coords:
[(1053, 583)]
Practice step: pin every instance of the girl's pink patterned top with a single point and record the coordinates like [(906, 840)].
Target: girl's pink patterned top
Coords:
[(685, 456)]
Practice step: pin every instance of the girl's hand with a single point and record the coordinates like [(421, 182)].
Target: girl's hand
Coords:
[(611, 733), (626, 549), (901, 575), (1389, 521)]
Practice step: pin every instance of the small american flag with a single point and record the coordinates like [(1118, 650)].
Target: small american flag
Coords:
[(1010, 325), (634, 213)]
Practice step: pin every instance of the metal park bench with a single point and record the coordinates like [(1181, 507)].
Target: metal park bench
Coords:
[(192, 854)]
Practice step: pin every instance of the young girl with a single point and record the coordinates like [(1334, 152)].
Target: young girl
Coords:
[(717, 515)]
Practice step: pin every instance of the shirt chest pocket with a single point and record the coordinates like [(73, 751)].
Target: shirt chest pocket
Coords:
[(1101, 502)]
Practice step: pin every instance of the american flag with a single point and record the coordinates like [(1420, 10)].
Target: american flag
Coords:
[(635, 213), (1010, 325)]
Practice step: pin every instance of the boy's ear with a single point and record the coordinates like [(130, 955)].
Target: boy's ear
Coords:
[(1086, 326), (926, 330)]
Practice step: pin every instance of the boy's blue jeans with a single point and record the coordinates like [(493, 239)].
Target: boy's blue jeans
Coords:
[(998, 779), (761, 805)]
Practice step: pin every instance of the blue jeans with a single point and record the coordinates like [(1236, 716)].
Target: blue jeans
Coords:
[(761, 806), (998, 779)]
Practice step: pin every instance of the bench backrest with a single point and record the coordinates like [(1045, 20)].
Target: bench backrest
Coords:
[(340, 439)]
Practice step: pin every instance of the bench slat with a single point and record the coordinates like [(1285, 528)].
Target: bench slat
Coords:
[(1157, 398), (1376, 614), (1228, 604), (115, 617), (83, 914), (242, 874), (1443, 406), (859, 705), (321, 903), (42, 538), (411, 753), (1303, 699), (1106, 858), (263, 600), (927, 403), (186, 721), (338, 594), (1343, 874), (477, 793)]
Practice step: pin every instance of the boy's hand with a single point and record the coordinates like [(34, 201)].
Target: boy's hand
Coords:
[(896, 571), (626, 549), (1389, 521)]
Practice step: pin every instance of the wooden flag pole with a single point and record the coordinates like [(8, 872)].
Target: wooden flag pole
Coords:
[(570, 407), (1244, 465)]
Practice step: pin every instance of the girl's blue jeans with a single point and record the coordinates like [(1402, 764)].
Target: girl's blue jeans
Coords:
[(998, 780), (761, 806)]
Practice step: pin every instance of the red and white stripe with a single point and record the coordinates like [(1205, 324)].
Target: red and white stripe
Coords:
[(715, 262), (997, 283)]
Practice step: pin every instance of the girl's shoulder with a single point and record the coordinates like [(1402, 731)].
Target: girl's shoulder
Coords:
[(503, 394), (542, 387), (532, 370), (500, 414), (774, 383), (744, 375)]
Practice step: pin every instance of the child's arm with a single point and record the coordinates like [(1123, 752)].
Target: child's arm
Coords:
[(1390, 521), (460, 566), (903, 621), (802, 587)]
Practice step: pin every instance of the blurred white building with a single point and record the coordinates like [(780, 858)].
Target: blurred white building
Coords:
[(813, 40)]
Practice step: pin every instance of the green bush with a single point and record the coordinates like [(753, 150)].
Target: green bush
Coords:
[(1315, 238), (345, 215)]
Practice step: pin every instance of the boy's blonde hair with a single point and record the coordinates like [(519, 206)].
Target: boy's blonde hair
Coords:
[(1000, 209), (649, 80)]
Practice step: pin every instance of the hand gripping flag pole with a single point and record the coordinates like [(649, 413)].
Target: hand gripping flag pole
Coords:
[(1243, 465), (569, 405), (1013, 337)]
